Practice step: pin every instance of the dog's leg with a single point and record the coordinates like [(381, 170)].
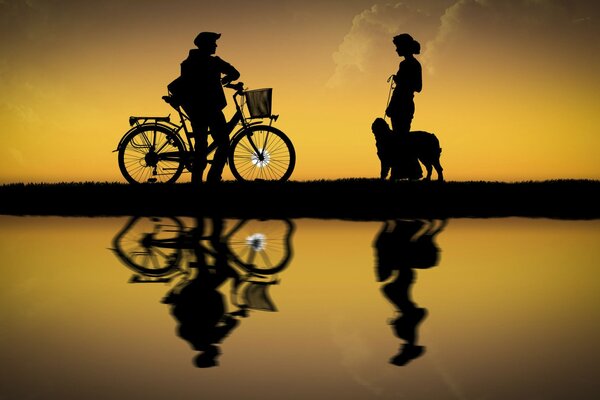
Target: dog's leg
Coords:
[(385, 169), (439, 169), (429, 169)]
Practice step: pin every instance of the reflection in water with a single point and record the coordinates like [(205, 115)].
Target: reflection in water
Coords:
[(515, 317), (203, 259), (401, 247)]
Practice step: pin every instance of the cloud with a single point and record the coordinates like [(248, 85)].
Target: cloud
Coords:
[(369, 40), (22, 21), (461, 26), (507, 25)]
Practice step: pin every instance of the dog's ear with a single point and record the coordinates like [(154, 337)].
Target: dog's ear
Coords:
[(380, 126), (376, 125)]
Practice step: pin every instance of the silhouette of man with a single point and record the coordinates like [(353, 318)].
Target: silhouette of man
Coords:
[(401, 247), (401, 109), (204, 75)]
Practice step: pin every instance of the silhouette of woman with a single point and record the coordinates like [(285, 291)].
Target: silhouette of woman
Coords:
[(401, 109)]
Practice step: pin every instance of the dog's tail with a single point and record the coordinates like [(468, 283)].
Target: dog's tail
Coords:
[(436, 142)]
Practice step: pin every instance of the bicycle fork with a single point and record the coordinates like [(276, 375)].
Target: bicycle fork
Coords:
[(260, 153)]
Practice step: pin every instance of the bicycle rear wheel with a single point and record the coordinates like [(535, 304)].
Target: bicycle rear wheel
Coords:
[(151, 154), (262, 153), (137, 245)]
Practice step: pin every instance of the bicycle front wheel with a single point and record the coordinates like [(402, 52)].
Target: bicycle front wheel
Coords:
[(263, 247), (151, 154), (262, 153)]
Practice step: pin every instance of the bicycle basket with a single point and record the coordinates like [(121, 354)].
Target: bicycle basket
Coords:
[(259, 102)]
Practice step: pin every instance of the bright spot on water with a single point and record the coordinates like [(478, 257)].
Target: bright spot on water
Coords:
[(257, 241)]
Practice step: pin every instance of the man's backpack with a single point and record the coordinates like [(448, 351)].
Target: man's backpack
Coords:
[(178, 89)]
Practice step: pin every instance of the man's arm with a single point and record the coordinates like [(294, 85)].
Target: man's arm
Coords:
[(230, 73)]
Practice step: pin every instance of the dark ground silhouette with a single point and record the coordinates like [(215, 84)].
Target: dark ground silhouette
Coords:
[(353, 199)]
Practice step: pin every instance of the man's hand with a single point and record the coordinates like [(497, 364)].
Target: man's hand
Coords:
[(235, 86)]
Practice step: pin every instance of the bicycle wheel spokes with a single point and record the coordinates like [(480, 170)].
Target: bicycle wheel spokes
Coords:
[(152, 153), (137, 245), (262, 153), (263, 246)]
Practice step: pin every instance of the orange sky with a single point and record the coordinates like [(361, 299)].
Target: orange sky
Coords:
[(510, 87)]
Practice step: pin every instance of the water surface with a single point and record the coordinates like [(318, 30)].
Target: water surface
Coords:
[(511, 311)]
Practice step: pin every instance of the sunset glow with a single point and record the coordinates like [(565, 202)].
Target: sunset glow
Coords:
[(509, 87)]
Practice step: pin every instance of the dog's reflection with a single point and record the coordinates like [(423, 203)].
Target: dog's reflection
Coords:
[(402, 246)]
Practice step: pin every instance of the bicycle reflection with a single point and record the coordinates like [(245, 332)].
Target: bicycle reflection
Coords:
[(202, 261), (402, 246)]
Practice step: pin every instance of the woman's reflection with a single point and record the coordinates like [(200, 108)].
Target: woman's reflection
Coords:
[(401, 247)]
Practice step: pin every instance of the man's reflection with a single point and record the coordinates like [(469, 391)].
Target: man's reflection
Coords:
[(401, 247), (217, 258), (247, 255), (199, 306)]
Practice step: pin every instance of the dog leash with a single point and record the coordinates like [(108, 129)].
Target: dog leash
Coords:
[(390, 79)]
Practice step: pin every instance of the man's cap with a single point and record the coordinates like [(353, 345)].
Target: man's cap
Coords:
[(206, 37)]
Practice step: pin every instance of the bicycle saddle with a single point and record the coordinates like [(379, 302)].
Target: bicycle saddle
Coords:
[(170, 101)]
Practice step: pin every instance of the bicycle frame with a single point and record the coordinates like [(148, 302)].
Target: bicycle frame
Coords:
[(238, 118)]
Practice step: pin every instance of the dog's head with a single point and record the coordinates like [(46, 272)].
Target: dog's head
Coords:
[(380, 128)]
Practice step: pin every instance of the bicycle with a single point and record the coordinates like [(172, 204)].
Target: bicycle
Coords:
[(155, 151), (156, 247), (163, 249)]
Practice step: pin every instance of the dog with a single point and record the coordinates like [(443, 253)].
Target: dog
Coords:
[(426, 145)]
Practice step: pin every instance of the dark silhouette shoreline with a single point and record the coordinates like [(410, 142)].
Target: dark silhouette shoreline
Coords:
[(352, 199)]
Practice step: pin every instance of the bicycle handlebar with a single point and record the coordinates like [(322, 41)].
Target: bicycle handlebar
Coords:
[(239, 86)]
